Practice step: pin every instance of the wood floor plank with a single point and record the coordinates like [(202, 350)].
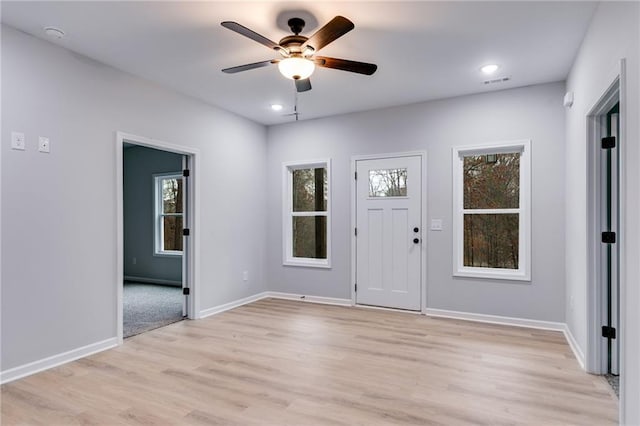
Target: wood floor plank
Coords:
[(292, 363)]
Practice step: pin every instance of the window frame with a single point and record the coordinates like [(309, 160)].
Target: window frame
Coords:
[(158, 215), (288, 214), (523, 273)]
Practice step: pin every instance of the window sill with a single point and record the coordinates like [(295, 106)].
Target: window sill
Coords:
[(486, 273), (168, 254), (308, 263)]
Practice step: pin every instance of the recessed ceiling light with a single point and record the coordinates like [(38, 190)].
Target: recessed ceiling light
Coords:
[(54, 32), (276, 107), (489, 69)]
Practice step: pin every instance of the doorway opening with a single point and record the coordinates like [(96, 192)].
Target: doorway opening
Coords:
[(388, 248), (610, 250), (605, 235), (156, 212)]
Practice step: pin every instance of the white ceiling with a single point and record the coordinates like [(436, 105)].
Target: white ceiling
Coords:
[(424, 50)]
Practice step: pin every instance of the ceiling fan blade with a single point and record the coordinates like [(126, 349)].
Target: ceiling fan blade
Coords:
[(303, 85), (247, 67), (240, 29), (336, 28), (345, 65)]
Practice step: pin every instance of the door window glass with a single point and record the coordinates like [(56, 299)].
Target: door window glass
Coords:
[(388, 183)]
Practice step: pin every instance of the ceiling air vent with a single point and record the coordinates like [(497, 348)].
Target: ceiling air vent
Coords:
[(497, 80)]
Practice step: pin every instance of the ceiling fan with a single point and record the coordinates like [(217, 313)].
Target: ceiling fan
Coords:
[(298, 52)]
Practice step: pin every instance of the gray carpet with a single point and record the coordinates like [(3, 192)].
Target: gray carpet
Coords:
[(149, 306), (614, 382)]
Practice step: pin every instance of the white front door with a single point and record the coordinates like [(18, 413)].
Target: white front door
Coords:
[(389, 232)]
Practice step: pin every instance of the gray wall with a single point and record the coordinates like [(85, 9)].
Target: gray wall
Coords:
[(139, 166), (534, 112), (614, 33), (58, 210)]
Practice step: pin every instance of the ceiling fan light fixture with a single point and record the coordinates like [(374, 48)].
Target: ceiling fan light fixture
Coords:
[(296, 68)]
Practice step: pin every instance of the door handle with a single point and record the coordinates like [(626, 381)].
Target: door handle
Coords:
[(416, 240)]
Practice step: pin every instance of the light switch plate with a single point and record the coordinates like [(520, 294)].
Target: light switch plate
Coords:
[(17, 141), (436, 224), (43, 144)]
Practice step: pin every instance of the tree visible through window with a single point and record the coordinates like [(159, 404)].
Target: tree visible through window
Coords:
[(492, 190), (388, 183), (307, 219), (310, 196), (491, 182), (169, 214)]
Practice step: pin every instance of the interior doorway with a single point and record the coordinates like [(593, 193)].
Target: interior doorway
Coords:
[(155, 204), (606, 231), (156, 234), (610, 249), (389, 247)]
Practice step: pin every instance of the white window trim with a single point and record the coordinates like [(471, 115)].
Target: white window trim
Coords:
[(523, 273), (158, 236), (288, 214)]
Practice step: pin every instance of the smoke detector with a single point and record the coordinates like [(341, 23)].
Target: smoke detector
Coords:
[(54, 32)]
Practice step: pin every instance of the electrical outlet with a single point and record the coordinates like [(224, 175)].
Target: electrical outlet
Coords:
[(134, 260), (17, 141), (43, 144), (245, 276)]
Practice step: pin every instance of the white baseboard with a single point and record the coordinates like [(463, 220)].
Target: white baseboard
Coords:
[(518, 322), (310, 299), (72, 355), (573, 344), (152, 281), (234, 304), (495, 319), (56, 360), (383, 308), (275, 295)]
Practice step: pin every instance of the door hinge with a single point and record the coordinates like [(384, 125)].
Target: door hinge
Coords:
[(609, 142), (355, 232), (356, 287), (185, 173), (185, 291), (608, 332), (608, 237), (355, 176), (185, 232)]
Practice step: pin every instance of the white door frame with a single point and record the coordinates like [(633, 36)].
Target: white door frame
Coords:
[(193, 219), (596, 346), (423, 232)]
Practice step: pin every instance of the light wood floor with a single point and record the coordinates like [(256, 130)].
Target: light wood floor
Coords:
[(287, 362)]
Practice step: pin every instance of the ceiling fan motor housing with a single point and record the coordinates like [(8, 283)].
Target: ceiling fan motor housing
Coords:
[(292, 43)]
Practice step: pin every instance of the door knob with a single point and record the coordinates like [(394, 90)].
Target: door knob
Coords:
[(416, 240), (416, 229)]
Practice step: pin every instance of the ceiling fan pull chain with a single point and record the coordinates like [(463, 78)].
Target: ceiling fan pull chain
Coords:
[(295, 103)]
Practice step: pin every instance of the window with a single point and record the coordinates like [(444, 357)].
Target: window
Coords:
[(168, 214), (307, 218), (388, 183), (491, 225)]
